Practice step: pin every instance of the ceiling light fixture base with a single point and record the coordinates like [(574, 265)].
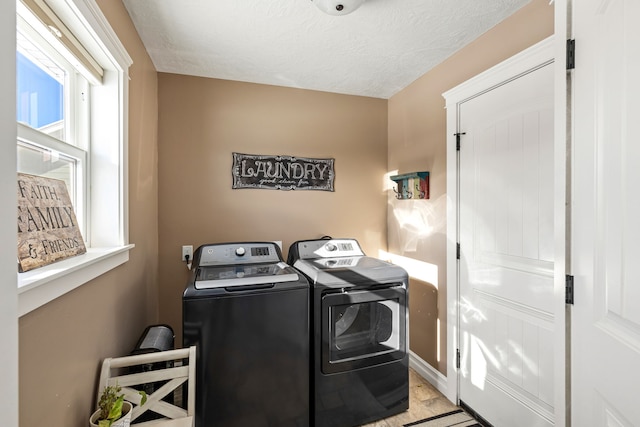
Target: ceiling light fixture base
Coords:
[(338, 7)]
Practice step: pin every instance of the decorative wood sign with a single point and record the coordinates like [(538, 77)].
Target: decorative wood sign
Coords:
[(282, 172), (47, 226)]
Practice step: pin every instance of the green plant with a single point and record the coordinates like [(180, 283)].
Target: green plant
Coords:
[(110, 405)]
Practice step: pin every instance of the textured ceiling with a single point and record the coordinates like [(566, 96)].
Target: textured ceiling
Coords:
[(376, 51)]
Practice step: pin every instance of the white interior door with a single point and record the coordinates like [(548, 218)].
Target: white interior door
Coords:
[(507, 251), (606, 214)]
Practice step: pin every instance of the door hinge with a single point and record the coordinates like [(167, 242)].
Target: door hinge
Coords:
[(571, 54), (457, 250), (458, 139), (568, 286), (457, 358)]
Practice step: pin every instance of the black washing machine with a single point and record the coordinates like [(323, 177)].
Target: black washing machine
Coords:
[(247, 313), (360, 363)]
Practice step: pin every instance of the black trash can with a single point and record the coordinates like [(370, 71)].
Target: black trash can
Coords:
[(154, 338)]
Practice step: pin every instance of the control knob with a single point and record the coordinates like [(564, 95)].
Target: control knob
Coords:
[(331, 247), (240, 251)]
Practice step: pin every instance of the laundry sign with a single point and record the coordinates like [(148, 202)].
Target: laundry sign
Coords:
[(282, 172), (47, 227)]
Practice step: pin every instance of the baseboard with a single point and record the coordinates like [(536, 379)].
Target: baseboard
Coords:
[(428, 372)]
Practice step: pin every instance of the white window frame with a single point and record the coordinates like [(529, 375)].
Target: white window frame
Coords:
[(29, 136), (107, 207), (74, 135), (75, 143)]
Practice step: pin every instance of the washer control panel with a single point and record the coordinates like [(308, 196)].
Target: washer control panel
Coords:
[(238, 253)]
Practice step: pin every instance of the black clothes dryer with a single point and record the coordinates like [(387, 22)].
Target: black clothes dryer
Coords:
[(247, 313), (360, 363)]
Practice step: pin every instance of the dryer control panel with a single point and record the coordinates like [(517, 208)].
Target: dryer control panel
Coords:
[(333, 248)]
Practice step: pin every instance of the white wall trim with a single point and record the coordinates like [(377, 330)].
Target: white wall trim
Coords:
[(561, 363), (38, 287), (524, 62), (428, 372), (89, 24), (8, 265)]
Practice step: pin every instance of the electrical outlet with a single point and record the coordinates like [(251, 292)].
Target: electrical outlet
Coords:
[(187, 250)]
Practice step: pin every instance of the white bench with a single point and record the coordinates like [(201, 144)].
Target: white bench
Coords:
[(174, 377)]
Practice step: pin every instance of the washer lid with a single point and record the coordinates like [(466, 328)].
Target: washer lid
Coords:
[(210, 277)]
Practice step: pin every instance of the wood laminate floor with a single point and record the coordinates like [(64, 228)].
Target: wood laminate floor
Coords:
[(424, 402)]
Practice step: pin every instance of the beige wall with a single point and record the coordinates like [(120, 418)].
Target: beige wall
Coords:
[(186, 128), (202, 121), (417, 134), (63, 342)]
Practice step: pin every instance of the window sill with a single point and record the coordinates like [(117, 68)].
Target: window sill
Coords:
[(40, 286)]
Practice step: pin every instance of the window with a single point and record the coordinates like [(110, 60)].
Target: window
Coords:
[(42, 83), (71, 97), (52, 109)]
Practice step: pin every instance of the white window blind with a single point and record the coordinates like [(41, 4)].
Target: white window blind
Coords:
[(42, 15)]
